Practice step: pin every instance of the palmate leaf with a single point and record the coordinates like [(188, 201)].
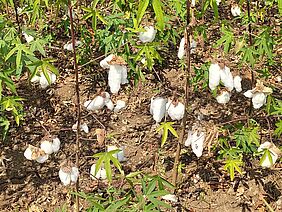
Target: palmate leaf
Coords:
[(143, 4), (233, 165), (166, 127), (266, 154), (105, 158), (278, 130), (157, 6)]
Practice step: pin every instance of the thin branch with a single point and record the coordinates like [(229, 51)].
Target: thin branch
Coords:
[(187, 73), (78, 111), (17, 18)]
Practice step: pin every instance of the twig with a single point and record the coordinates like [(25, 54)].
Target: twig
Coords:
[(17, 18), (78, 112), (187, 72)]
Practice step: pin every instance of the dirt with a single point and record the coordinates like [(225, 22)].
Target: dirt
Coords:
[(203, 184)]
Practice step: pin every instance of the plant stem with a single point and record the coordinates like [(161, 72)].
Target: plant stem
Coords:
[(187, 73), (78, 112), (17, 18)]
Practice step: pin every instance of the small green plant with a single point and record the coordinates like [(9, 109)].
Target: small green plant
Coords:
[(166, 127)]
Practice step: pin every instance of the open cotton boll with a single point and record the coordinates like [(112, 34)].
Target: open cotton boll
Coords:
[(148, 35), (274, 153), (218, 2), (104, 63), (101, 173), (120, 105), (248, 94), (193, 3), (227, 78), (46, 146), (27, 37), (83, 127), (109, 104), (69, 46), (181, 50), (214, 76), (258, 100), (158, 108), (68, 175), (97, 103), (44, 82), (175, 111), (170, 197), (34, 153), (115, 78), (124, 79), (56, 145), (196, 140), (35, 79), (223, 98), (237, 83), (235, 10), (119, 155)]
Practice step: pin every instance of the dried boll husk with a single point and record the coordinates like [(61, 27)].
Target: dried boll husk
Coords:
[(158, 108)]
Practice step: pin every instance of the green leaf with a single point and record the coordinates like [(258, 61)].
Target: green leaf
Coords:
[(231, 165), (166, 126), (278, 130), (143, 4), (157, 6)]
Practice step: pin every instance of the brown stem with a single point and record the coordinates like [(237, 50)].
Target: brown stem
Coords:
[(15, 2), (187, 73), (78, 112)]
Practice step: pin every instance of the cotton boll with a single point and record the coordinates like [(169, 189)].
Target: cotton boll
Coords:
[(148, 35), (120, 105), (259, 99), (158, 108), (274, 152), (56, 145), (223, 98), (119, 155), (227, 78), (28, 38), (97, 103), (267, 162), (235, 10), (44, 82), (83, 127), (35, 79), (74, 174), (193, 3), (42, 159), (196, 140), (176, 112), (218, 2), (181, 50), (101, 173), (170, 197), (248, 94), (214, 76), (46, 146), (28, 152), (104, 63), (65, 177), (124, 79), (115, 78), (68, 46), (109, 104), (237, 83)]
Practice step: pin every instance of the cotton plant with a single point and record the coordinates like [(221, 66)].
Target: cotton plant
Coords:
[(83, 127), (175, 109), (266, 161), (36, 154), (158, 108), (50, 146), (196, 139), (69, 47), (68, 173), (149, 34), (235, 10), (117, 75), (258, 94), (119, 155), (104, 99), (101, 173), (41, 79), (182, 50)]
